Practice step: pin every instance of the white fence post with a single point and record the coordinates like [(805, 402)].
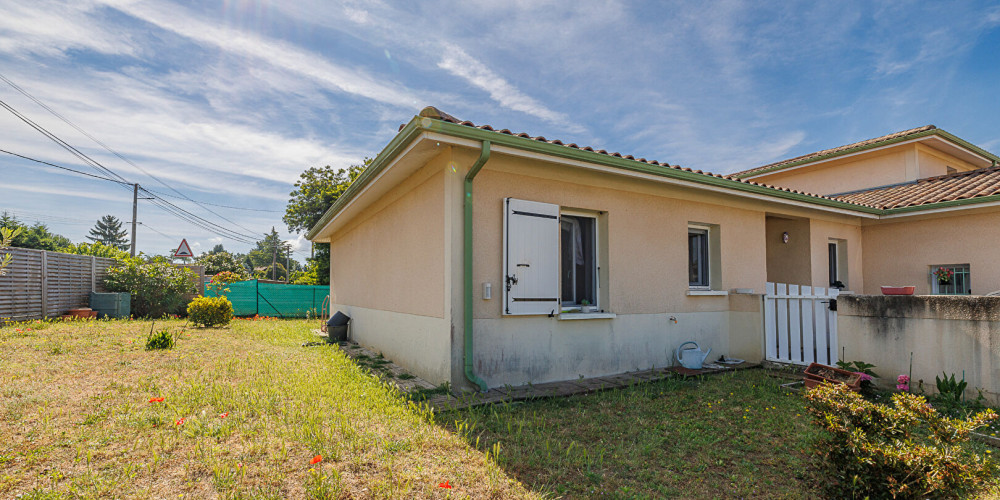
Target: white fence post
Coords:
[(799, 326)]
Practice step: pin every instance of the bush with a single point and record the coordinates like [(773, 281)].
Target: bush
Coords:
[(162, 339), (906, 450), (157, 287), (210, 311)]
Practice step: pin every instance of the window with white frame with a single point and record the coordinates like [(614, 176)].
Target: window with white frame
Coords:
[(551, 258), (703, 257), (951, 279)]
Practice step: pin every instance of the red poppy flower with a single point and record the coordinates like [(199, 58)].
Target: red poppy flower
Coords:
[(316, 460), (179, 422), (445, 484), (155, 400), (224, 415)]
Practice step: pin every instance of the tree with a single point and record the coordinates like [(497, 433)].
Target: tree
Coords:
[(270, 250), (218, 262), (315, 191), (37, 237), (109, 231), (217, 249), (6, 236), (99, 250)]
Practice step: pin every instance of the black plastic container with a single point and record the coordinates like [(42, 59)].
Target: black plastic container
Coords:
[(336, 327)]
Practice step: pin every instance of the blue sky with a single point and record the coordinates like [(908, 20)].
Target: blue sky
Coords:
[(228, 102)]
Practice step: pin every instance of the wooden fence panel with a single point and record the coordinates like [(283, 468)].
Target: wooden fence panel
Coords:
[(41, 284)]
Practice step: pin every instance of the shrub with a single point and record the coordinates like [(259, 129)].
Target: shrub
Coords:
[(162, 339), (157, 287), (219, 284), (905, 450), (210, 311)]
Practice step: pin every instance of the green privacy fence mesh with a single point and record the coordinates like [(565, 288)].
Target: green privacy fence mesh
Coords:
[(276, 299)]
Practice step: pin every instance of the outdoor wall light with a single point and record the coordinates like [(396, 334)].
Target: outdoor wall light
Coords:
[(784, 237), (487, 291)]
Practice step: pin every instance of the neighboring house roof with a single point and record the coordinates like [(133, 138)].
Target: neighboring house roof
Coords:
[(951, 187), (885, 140)]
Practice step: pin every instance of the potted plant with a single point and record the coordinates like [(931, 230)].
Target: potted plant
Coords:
[(943, 275), (586, 307)]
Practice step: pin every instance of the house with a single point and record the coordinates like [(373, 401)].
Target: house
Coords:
[(483, 257)]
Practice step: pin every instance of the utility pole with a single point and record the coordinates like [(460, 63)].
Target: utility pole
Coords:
[(135, 209), (274, 264)]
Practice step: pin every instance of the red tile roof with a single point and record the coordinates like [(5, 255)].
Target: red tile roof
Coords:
[(432, 112), (951, 187), (833, 151)]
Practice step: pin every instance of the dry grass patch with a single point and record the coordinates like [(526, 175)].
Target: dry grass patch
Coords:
[(76, 419)]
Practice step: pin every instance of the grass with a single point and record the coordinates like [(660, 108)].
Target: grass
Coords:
[(736, 435), (725, 436), (76, 420)]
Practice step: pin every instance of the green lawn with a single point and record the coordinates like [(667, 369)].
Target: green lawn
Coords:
[(76, 421), (735, 435)]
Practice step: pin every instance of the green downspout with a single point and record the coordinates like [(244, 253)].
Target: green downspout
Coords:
[(484, 156)]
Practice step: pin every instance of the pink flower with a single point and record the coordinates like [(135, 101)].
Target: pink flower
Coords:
[(902, 387), (902, 379), (864, 377)]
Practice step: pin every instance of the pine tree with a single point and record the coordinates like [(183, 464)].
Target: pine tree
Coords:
[(109, 231)]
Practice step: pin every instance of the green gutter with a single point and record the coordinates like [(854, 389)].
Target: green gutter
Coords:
[(484, 156), (942, 204), (556, 150), (936, 131)]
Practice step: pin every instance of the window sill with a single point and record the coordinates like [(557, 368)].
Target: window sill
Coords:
[(707, 293), (566, 316)]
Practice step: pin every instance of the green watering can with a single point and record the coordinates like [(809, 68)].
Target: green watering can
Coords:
[(692, 357)]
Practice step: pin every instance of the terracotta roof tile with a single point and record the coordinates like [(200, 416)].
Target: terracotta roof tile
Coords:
[(825, 152), (432, 112), (951, 187)]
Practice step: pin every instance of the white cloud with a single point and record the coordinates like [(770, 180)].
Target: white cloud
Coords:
[(457, 62), (274, 52), (51, 28)]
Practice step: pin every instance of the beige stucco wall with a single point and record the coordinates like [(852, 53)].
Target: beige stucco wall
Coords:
[(933, 162), (893, 165), (647, 237), (948, 335), (902, 252), (388, 272), (877, 168), (789, 262), (821, 232)]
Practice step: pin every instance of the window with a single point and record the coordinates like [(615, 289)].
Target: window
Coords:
[(698, 258), (837, 259), (552, 258), (959, 283), (578, 260), (704, 260)]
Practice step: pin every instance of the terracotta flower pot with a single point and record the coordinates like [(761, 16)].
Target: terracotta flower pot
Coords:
[(898, 290), (818, 373)]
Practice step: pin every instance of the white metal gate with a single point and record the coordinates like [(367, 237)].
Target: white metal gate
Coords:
[(799, 326)]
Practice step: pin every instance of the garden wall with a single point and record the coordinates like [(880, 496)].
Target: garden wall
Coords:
[(40, 284), (949, 334)]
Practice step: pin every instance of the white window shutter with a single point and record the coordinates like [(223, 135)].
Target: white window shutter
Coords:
[(531, 257)]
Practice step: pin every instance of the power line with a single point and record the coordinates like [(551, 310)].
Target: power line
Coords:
[(215, 204), (177, 211), (64, 168), (116, 153)]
